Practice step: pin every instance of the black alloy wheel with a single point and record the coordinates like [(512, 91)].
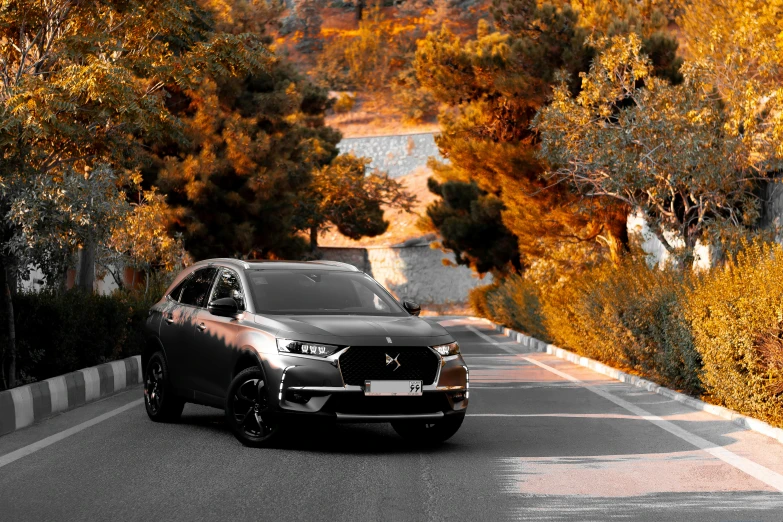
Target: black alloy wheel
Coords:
[(159, 399), (248, 412), (429, 432)]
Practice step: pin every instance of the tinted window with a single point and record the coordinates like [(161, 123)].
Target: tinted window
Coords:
[(228, 285), (178, 290), (319, 292), (197, 287)]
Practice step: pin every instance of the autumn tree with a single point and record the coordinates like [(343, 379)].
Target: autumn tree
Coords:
[(467, 219), (495, 84), (665, 150), (736, 56), (254, 144), (80, 82), (141, 241), (343, 195)]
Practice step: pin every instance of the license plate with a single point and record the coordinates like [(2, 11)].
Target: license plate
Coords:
[(392, 387)]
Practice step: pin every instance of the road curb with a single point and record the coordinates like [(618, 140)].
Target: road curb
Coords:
[(24, 405), (743, 421)]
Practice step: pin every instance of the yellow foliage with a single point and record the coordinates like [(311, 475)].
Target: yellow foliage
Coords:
[(731, 312)]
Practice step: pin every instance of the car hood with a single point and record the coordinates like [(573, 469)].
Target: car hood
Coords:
[(361, 330)]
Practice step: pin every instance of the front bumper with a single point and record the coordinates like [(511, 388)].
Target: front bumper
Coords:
[(307, 386)]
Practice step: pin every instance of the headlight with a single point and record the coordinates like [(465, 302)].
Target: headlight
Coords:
[(447, 349), (305, 348)]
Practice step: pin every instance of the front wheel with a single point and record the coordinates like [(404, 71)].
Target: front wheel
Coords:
[(429, 432), (248, 411)]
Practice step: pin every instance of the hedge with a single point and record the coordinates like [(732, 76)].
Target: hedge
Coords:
[(736, 314), (60, 332), (717, 335)]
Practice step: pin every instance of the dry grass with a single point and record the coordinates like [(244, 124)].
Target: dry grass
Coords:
[(375, 114), (402, 224)]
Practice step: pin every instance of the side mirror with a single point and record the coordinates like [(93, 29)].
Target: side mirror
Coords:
[(224, 307), (411, 307)]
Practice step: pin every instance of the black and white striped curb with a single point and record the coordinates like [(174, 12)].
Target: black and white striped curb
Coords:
[(20, 407), (743, 421)]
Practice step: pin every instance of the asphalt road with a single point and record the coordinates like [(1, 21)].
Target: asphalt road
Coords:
[(544, 440)]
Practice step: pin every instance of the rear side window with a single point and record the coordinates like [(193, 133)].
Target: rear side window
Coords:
[(177, 292), (197, 287)]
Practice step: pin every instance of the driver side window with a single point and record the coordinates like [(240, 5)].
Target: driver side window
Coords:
[(228, 285), (370, 299)]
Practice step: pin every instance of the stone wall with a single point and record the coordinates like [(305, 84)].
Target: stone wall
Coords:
[(417, 273), (398, 154)]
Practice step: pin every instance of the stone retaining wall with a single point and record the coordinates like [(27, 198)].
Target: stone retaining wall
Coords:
[(397, 155), (417, 273)]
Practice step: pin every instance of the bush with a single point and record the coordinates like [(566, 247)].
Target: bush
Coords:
[(624, 314), (60, 332), (736, 315), (629, 315), (514, 302), (360, 59), (344, 103), (416, 103)]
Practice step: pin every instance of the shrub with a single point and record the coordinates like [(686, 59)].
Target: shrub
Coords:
[(360, 59), (736, 315), (416, 103), (628, 315), (477, 299), (512, 301), (344, 103), (60, 332)]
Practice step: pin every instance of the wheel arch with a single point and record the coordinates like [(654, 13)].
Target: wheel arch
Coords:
[(248, 358), (152, 345)]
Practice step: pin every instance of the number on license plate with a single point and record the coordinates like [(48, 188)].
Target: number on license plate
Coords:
[(392, 388)]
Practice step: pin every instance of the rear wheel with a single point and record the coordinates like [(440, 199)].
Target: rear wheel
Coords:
[(159, 399), (248, 411), (429, 432)]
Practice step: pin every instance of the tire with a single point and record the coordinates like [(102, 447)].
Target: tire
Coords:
[(248, 410), (429, 432), (161, 403)]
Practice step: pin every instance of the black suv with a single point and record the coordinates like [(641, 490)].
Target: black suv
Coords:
[(270, 341)]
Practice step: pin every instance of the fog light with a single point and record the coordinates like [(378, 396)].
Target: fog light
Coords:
[(297, 397)]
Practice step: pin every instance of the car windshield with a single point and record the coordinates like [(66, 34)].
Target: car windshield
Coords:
[(319, 292)]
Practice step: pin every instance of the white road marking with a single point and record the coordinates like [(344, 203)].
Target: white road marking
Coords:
[(48, 441), (757, 471), (568, 415)]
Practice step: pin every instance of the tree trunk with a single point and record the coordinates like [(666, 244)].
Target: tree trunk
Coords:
[(360, 4), (86, 276), (7, 313), (313, 239)]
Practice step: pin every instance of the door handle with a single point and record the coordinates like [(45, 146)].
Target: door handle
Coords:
[(168, 318), (201, 327)]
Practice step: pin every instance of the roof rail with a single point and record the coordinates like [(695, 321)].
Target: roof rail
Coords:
[(336, 263), (232, 260)]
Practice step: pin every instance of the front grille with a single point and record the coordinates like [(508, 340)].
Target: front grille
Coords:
[(368, 363)]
